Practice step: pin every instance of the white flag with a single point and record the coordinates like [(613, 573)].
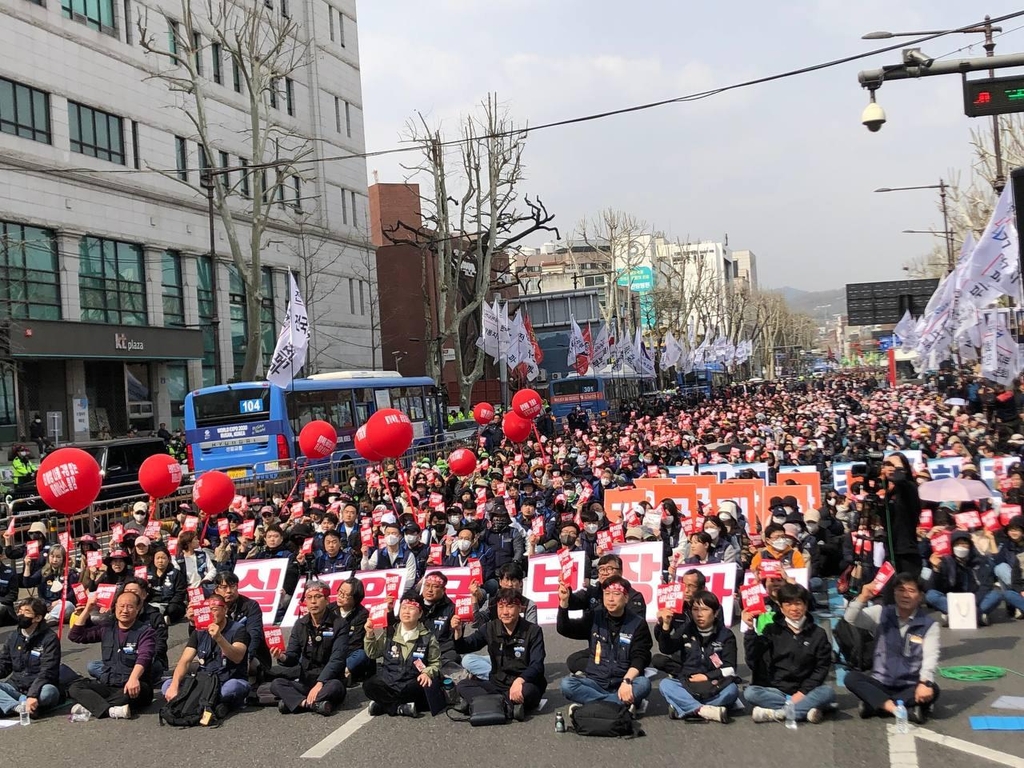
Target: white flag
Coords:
[(998, 352), (602, 348), (290, 351), (488, 340), (905, 329), (672, 352), (504, 328), (577, 344), (994, 268)]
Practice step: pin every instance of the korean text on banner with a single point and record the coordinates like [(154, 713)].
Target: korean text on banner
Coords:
[(542, 583), (262, 581)]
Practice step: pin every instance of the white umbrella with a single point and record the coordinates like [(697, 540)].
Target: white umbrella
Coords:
[(954, 489), (956, 401)]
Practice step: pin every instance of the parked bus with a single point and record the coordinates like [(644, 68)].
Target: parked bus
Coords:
[(251, 428), (702, 380), (601, 394)]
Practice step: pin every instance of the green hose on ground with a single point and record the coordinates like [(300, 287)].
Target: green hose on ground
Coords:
[(975, 674)]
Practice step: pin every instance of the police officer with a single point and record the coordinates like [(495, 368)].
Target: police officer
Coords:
[(317, 649), (619, 651), (30, 660), (516, 650), (23, 469)]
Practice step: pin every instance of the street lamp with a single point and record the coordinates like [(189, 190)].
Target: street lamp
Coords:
[(947, 234)]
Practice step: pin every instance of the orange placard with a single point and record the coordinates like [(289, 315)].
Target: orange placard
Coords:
[(702, 483), (746, 493), (618, 503), (811, 480)]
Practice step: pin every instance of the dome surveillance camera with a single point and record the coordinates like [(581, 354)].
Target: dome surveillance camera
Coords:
[(873, 117)]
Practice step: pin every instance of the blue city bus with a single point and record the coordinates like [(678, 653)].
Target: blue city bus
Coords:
[(251, 428), (702, 380), (601, 394)]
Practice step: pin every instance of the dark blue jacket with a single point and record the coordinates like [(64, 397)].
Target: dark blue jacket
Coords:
[(616, 644), (714, 655), (31, 662)]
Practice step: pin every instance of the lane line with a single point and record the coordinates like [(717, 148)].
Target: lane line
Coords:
[(325, 745), (902, 749), (972, 749)]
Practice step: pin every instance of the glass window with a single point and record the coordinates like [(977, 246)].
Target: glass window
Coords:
[(112, 282), (558, 311), (236, 74), (267, 331), (225, 178), (243, 182), (173, 30), (95, 14), (217, 53), (409, 400), (341, 29), (331, 405), (197, 52), (8, 411), (337, 114), (363, 399), (173, 294), (273, 92), (29, 280), (330, 19), (239, 322), (181, 157), (95, 133), (24, 111), (289, 96), (177, 388), (348, 119), (205, 301), (297, 187)]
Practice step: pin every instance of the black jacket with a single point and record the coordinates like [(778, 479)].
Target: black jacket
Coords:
[(589, 598), (792, 661), (9, 584), (438, 619), (31, 662), (616, 644), (714, 655), (320, 652), (519, 653), (248, 611), (901, 517)]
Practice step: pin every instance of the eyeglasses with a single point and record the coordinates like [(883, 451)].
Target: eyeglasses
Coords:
[(608, 569)]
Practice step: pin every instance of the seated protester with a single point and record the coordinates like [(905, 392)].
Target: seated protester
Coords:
[(195, 562), (781, 546), (168, 593), (409, 664), (30, 662), (49, 583), (117, 571), (468, 546), (701, 552), (358, 666), (36, 532), (706, 648), (274, 547), (329, 523), (86, 543), (808, 547), (506, 542), (129, 647), (9, 586), (724, 548), (963, 571), (608, 566), (510, 576), (515, 648), (246, 611), (221, 650), (863, 554), (906, 652), (693, 581), (332, 558), (438, 530), (1009, 568), (142, 551), (348, 526), (795, 655), (394, 555), (140, 516), (438, 610), (619, 651), (147, 615), (414, 541), (588, 543), (829, 548), (316, 653), (558, 534)]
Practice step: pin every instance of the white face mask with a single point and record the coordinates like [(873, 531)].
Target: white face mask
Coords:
[(140, 516), (392, 539), (590, 527), (779, 544), (412, 539), (961, 552), (797, 625), (712, 532), (464, 545), (605, 481)]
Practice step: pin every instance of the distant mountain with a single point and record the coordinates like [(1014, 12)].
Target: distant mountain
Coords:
[(818, 304)]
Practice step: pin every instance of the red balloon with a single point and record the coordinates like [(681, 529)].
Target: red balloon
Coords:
[(69, 480), (213, 492), (462, 462), (483, 414), (527, 403), (389, 432), (160, 475), (318, 439), (363, 447), (515, 427)]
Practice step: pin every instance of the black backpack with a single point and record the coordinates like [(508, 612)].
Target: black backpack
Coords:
[(603, 718), (856, 645), (197, 694)]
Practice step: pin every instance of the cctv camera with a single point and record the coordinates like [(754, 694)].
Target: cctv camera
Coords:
[(873, 117)]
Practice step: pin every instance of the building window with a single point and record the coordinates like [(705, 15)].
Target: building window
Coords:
[(205, 299), (243, 184), (173, 293), (29, 280), (279, 188), (225, 176), (177, 387), (297, 186), (173, 30), (362, 298), (264, 196), (112, 284), (239, 322), (355, 222), (273, 92), (351, 297), (337, 114), (197, 52), (24, 111), (236, 74), (136, 155), (127, 21), (593, 281), (181, 157), (330, 19), (96, 133), (285, 12), (216, 53), (268, 335), (348, 119), (289, 96), (341, 29), (204, 163), (95, 14), (344, 206)]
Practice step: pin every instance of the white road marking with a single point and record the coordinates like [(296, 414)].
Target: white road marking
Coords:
[(965, 746), (331, 741), (902, 749)]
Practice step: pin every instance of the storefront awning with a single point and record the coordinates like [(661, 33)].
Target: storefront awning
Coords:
[(97, 341)]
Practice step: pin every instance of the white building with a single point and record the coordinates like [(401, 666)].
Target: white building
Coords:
[(115, 309), (746, 268)]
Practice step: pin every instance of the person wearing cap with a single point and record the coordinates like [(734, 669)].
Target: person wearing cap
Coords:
[(408, 664), (316, 653), (395, 553), (30, 663), (413, 535), (114, 570), (140, 517), (964, 570), (515, 650), (36, 532), (142, 551), (619, 648), (780, 546)]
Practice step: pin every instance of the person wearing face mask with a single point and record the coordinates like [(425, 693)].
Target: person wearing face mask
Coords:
[(23, 469), (506, 542), (1009, 568), (795, 655), (723, 547), (413, 538), (827, 515), (36, 532), (30, 662), (467, 546), (963, 571), (394, 554), (588, 541), (704, 686), (780, 546), (140, 516)]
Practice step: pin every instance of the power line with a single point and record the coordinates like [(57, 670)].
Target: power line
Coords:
[(700, 95)]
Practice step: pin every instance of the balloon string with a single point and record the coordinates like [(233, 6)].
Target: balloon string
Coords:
[(543, 454), (404, 481), (387, 490), (64, 589), (298, 479)]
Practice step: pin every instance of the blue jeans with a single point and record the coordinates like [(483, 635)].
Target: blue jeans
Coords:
[(356, 659), (680, 699), (478, 666), (233, 693), (940, 602), (49, 697), (583, 690), (1004, 574), (773, 698)]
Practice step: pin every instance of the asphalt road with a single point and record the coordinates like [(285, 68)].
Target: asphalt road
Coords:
[(263, 737)]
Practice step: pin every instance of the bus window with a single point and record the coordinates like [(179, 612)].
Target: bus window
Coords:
[(343, 412), (431, 402), (233, 406), (363, 399)]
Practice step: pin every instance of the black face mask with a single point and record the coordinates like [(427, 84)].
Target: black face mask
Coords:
[(24, 622)]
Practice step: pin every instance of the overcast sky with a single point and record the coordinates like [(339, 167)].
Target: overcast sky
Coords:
[(785, 169)]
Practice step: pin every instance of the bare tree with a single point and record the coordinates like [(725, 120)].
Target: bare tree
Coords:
[(620, 241), (474, 216), (265, 49)]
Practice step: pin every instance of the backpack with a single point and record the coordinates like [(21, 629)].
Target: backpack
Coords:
[(197, 694), (856, 645), (603, 718)]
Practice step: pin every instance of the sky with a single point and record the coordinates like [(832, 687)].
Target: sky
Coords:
[(784, 169)]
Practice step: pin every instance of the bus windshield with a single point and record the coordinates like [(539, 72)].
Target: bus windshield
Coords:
[(234, 406)]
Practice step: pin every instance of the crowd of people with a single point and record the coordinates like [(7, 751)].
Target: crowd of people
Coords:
[(423, 653)]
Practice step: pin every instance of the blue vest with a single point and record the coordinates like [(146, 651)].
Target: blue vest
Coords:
[(610, 665), (119, 658), (384, 562), (898, 658), (324, 563), (212, 660), (396, 672)]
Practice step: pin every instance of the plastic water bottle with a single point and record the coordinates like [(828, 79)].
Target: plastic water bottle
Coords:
[(24, 718), (790, 712), (559, 723), (901, 718), (81, 717)]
